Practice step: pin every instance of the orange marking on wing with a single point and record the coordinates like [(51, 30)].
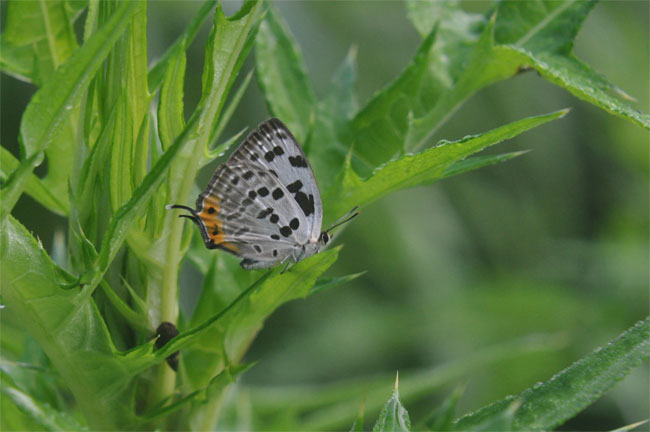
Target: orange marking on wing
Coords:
[(213, 224)]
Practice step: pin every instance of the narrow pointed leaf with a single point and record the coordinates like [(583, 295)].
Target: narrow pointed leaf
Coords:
[(547, 405)]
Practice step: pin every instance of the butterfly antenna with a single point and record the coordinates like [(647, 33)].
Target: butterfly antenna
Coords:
[(344, 219), (194, 217)]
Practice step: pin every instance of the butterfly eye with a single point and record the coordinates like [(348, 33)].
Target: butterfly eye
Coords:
[(324, 237)]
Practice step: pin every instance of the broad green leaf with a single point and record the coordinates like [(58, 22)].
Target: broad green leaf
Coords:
[(229, 339), (422, 168), (378, 131), (35, 187), (157, 71), (393, 416), (282, 76), (547, 405), (66, 325), (544, 32), (38, 37)]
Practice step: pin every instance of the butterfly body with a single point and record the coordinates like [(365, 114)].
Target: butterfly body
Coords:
[(263, 203)]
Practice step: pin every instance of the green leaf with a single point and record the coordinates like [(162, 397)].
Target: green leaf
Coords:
[(325, 148), (51, 105), (171, 120), (332, 406), (422, 168), (66, 324), (500, 422), (158, 70), (547, 405), (230, 339), (44, 415), (476, 162), (282, 76), (379, 130), (217, 384), (458, 32), (442, 418), (357, 426), (393, 417), (50, 108), (126, 76), (35, 187), (544, 31), (329, 282), (38, 38)]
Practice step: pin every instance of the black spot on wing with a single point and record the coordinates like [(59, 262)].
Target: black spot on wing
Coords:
[(274, 218), (257, 248), (294, 224), (295, 186), (278, 150), (264, 213), (263, 191), (285, 231), (248, 175), (298, 161), (211, 210), (277, 194), (252, 194), (269, 156), (305, 203)]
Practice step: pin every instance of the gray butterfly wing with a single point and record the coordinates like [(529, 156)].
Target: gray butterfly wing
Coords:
[(273, 147), (246, 211)]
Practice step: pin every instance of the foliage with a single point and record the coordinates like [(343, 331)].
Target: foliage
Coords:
[(118, 147)]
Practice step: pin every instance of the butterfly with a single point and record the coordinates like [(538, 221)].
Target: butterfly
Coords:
[(263, 203)]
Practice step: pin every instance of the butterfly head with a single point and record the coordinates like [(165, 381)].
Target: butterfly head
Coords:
[(325, 236)]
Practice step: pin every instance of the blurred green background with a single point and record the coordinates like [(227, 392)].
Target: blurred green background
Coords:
[(554, 242)]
